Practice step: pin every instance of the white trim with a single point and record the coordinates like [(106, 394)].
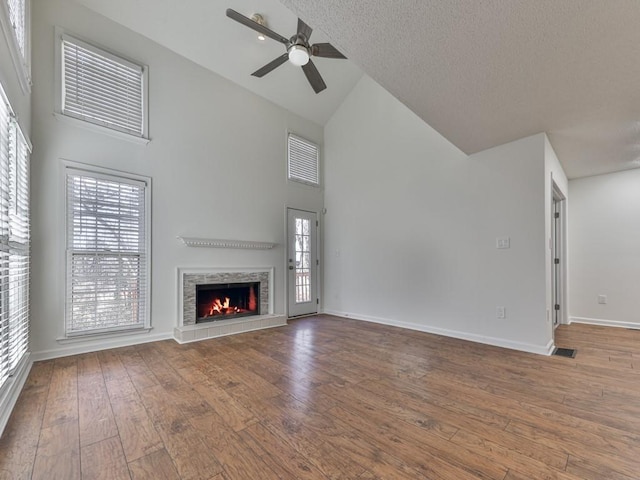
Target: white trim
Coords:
[(220, 243), (20, 62), (12, 388), (96, 345), (604, 323), (100, 129), (472, 337)]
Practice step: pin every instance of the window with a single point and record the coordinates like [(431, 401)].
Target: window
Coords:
[(107, 251), (14, 20), (303, 160), (18, 17), (101, 88), (14, 242)]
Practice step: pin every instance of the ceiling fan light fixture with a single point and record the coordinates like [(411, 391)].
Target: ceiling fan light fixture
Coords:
[(259, 19), (298, 55)]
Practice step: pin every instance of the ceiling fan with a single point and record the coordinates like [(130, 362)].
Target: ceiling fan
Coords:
[(299, 50)]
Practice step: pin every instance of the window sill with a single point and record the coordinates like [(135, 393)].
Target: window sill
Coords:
[(100, 129), (83, 337)]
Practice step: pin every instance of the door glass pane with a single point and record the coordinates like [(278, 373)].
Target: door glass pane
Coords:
[(303, 260)]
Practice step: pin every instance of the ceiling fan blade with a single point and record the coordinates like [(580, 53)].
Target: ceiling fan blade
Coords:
[(304, 29), (313, 75), (325, 50), (272, 65), (232, 14)]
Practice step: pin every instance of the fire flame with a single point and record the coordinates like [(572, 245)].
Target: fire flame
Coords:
[(221, 308)]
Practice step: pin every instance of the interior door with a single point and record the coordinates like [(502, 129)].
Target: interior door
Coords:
[(302, 262), (556, 262)]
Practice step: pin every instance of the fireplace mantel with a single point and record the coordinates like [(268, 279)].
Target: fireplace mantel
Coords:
[(222, 243)]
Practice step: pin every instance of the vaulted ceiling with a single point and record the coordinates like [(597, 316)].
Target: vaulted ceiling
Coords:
[(200, 31), (482, 73), (485, 72)]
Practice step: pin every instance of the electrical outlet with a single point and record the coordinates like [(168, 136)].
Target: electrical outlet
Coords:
[(503, 242), (602, 299), (501, 312)]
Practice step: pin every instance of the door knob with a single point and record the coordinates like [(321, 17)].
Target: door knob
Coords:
[(290, 267)]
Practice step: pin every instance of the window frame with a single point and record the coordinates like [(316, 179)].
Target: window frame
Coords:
[(21, 62), (116, 175), (60, 36), (293, 178), (17, 341)]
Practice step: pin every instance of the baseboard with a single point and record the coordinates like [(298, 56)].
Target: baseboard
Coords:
[(94, 346), (472, 337), (604, 323), (11, 390)]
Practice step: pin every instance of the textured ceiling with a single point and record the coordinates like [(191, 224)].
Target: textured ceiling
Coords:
[(486, 72), (200, 31)]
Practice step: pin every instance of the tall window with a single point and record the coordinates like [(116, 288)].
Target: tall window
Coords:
[(107, 252), (303, 157), (101, 88), (14, 242)]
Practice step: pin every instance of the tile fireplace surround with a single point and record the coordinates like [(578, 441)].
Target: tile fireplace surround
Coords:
[(189, 331)]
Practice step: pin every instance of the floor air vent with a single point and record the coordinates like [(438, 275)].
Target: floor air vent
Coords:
[(565, 352)]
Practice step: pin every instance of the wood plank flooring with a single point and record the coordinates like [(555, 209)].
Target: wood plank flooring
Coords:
[(330, 398)]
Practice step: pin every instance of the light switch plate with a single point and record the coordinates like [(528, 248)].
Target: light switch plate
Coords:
[(503, 242)]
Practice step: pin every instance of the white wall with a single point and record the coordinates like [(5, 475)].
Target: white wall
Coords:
[(217, 159), (411, 227), (604, 249)]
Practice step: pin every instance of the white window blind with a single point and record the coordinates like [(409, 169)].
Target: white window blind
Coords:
[(14, 242), (107, 252), (101, 88), (303, 160), (18, 18)]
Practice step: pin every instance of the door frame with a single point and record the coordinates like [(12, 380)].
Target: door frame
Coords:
[(559, 247), (286, 257)]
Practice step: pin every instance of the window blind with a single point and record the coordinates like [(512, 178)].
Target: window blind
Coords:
[(17, 16), (106, 253), (101, 88), (5, 123), (14, 242), (303, 160)]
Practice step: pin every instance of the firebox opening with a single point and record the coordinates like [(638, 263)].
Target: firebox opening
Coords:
[(222, 301)]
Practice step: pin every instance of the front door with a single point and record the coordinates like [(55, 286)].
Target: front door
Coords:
[(302, 262)]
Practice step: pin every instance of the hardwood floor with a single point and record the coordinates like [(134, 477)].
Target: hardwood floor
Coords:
[(329, 398)]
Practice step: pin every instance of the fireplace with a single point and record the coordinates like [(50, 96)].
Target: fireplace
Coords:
[(224, 301), (195, 323)]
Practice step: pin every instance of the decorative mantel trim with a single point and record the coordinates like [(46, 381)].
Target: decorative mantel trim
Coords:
[(220, 243)]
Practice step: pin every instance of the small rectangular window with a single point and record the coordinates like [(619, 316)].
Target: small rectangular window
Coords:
[(17, 15), (102, 88), (303, 160), (107, 252)]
